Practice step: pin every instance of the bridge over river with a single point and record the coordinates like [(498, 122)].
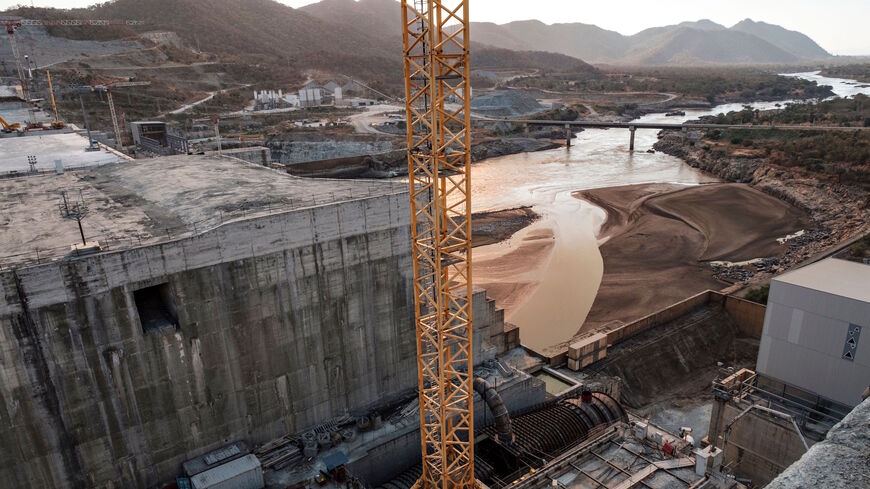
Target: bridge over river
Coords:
[(633, 126)]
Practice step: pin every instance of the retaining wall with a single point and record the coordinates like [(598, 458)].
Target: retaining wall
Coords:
[(282, 322), (748, 316), (292, 152)]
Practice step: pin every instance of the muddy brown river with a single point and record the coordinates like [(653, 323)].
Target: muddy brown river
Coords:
[(547, 275)]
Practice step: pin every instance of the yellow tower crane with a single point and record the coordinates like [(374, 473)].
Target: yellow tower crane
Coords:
[(14, 24), (437, 97), (108, 89), (56, 123)]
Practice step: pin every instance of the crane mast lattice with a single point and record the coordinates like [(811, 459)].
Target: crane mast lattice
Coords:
[(437, 96)]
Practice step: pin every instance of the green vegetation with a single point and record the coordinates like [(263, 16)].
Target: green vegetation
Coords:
[(860, 72), (758, 294), (561, 114), (711, 84), (841, 155), (837, 112)]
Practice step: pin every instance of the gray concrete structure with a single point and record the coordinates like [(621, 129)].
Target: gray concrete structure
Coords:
[(117, 367), (292, 152), (812, 335), (841, 461), (156, 130), (48, 147)]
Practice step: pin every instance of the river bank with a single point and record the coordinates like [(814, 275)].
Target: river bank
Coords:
[(838, 211), (496, 226), (660, 240)]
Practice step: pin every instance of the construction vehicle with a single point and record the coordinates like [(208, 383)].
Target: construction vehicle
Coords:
[(7, 127), (108, 89), (56, 123), (13, 24), (436, 43)]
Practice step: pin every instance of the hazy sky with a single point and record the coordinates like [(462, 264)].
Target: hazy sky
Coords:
[(840, 26)]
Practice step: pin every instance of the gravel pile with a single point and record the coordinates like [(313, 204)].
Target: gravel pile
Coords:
[(506, 103)]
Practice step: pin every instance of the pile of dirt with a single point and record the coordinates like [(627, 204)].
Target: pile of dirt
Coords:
[(505, 103), (663, 238)]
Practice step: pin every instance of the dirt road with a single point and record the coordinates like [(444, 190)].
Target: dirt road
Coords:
[(362, 123)]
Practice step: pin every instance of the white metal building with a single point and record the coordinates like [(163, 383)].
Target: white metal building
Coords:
[(310, 97), (812, 338)]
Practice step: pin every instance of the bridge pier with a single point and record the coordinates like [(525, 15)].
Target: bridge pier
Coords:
[(631, 142), (568, 135)]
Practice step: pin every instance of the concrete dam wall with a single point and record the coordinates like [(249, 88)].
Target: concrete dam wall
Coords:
[(292, 152), (117, 367)]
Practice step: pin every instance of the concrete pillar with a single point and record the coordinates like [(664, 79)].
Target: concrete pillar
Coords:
[(525, 128), (631, 143), (568, 135), (716, 421)]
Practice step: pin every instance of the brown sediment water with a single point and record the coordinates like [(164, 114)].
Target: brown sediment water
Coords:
[(546, 276)]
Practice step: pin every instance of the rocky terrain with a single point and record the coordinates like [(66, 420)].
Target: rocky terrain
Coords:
[(839, 210), (394, 163), (496, 226)]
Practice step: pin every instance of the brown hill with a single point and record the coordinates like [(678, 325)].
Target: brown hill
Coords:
[(690, 46), (362, 39), (382, 18), (688, 43), (246, 28)]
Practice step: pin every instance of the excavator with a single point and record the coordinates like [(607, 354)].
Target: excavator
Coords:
[(7, 127)]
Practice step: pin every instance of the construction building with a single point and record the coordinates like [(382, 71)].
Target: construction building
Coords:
[(153, 130), (811, 372), (812, 332), (201, 316), (210, 321), (155, 138)]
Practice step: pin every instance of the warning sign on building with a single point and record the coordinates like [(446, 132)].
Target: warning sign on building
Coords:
[(851, 346)]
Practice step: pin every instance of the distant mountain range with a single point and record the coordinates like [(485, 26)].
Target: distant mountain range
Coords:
[(382, 18), (363, 38), (690, 43)]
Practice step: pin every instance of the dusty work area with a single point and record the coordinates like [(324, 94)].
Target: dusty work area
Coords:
[(665, 372), (660, 240), (141, 202), (49, 148)]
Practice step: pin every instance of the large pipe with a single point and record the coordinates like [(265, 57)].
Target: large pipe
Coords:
[(547, 431), (496, 405)]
